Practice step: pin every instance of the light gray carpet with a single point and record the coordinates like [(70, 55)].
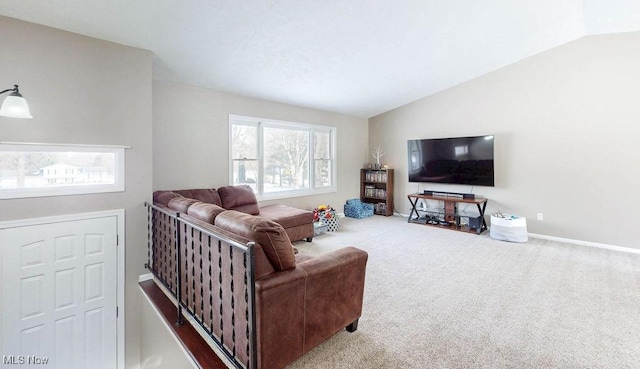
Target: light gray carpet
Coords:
[(442, 299)]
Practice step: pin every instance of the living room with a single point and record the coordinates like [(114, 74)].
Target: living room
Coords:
[(564, 121)]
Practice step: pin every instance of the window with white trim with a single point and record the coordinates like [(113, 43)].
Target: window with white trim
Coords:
[(282, 159), (36, 170)]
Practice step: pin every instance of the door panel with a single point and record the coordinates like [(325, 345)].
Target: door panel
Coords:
[(59, 292)]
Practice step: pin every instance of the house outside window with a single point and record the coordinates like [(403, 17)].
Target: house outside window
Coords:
[(282, 159), (36, 170)]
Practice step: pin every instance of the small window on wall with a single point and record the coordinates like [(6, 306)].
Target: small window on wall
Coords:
[(36, 170)]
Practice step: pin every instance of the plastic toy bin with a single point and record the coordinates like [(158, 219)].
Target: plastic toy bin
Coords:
[(509, 228)]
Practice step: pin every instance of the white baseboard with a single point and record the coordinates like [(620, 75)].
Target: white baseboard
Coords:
[(145, 277), (586, 243), (572, 241)]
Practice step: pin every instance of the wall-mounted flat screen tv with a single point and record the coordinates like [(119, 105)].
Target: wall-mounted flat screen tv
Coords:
[(456, 160)]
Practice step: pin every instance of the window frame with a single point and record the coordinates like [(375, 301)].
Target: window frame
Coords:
[(62, 190), (261, 124)]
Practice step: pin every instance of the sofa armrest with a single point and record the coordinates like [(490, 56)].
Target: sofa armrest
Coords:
[(343, 263), (299, 308), (334, 292)]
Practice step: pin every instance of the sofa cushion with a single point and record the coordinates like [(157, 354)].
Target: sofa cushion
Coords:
[(181, 204), (263, 265), (163, 197), (204, 211), (209, 195), (269, 234), (240, 198), (287, 216)]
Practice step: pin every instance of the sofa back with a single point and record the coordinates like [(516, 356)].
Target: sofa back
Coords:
[(181, 204), (263, 266), (240, 198), (273, 251), (209, 195), (269, 234), (163, 197), (204, 211)]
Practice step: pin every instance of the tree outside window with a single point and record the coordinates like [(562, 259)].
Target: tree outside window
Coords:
[(280, 158)]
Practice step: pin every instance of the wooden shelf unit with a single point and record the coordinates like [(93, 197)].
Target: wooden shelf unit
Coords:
[(448, 216), (376, 187)]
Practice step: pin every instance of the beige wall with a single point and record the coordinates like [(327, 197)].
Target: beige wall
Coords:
[(84, 91), (158, 348), (566, 125), (191, 139)]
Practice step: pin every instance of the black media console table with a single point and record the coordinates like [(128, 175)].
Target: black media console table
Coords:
[(448, 216)]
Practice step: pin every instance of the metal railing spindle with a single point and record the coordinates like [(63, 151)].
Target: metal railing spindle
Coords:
[(191, 256)]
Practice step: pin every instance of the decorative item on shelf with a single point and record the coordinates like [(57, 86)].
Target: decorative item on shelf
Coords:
[(371, 191), (326, 215), (369, 166), (378, 154), (376, 177), (385, 167)]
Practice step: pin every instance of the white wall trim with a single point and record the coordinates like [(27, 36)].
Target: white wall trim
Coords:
[(60, 218), (145, 277), (121, 251), (63, 144), (586, 243), (572, 241)]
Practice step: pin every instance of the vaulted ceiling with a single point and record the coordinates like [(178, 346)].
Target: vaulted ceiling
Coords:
[(357, 57)]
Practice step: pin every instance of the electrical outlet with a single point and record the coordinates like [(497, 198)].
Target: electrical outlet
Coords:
[(540, 216)]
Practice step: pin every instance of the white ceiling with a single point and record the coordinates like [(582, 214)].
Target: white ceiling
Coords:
[(357, 57)]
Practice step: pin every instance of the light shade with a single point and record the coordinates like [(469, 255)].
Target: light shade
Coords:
[(15, 106)]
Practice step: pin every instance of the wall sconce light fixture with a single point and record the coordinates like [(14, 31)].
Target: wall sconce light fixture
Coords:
[(14, 105)]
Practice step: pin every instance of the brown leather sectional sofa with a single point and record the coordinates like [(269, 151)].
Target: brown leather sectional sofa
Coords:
[(300, 300), (296, 222)]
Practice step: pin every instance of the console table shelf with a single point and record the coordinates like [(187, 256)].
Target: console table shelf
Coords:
[(449, 216)]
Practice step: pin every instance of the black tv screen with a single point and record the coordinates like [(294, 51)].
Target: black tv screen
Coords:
[(457, 160)]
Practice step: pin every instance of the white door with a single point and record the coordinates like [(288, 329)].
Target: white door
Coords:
[(59, 294)]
